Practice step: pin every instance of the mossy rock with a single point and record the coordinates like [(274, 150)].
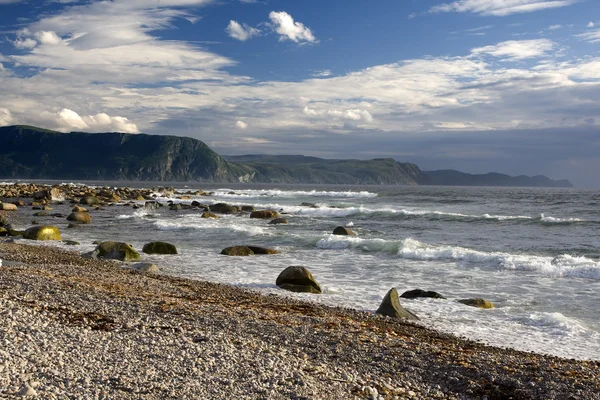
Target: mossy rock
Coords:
[(80, 217), (42, 233), (342, 230), (238, 251), (116, 250), (390, 306), (418, 293), (3, 232), (298, 279), (477, 302), (264, 214), (159, 248)]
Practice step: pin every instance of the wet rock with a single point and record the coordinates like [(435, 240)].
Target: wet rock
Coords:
[(417, 293), (115, 250), (248, 208), (264, 214), (238, 251), (224, 208), (42, 233), (8, 207), (71, 242), (263, 250), (80, 217), (208, 214), (159, 248), (477, 302), (391, 307), (278, 221), (90, 201), (298, 279), (342, 230)]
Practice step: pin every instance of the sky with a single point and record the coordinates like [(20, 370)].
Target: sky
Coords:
[(510, 86)]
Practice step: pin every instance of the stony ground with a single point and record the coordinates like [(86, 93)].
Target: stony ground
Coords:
[(74, 328)]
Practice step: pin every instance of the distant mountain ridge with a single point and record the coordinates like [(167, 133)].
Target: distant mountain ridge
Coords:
[(33, 153)]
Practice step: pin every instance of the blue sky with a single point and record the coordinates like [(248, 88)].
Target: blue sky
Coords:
[(510, 86)]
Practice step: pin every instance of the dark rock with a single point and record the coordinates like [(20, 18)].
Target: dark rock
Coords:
[(40, 214), (237, 251), (80, 217), (311, 205), (413, 294), (115, 250), (224, 208), (391, 307), (342, 230), (264, 214), (159, 248), (477, 302), (262, 250), (277, 221), (71, 242), (42, 233), (248, 208), (298, 279), (90, 201)]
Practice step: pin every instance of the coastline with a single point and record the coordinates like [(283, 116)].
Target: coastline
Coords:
[(87, 328)]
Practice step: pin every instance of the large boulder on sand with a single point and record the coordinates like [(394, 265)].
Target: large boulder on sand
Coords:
[(159, 248), (42, 233), (264, 214), (298, 279), (478, 302), (391, 307), (115, 250), (80, 217), (342, 230), (417, 293)]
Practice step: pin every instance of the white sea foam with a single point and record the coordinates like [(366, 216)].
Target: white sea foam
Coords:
[(193, 222), (139, 213), (339, 242), (246, 193), (561, 266)]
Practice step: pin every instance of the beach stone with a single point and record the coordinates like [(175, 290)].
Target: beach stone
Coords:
[(153, 205), (224, 208), (3, 232), (248, 208), (42, 233), (278, 221), (73, 225), (80, 217), (175, 207), (90, 201), (238, 251), (391, 307), (27, 391), (208, 214), (342, 230), (264, 214), (159, 248), (8, 207), (417, 293), (263, 250), (477, 302), (19, 203), (298, 279), (115, 250), (148, 268), (77, 208)]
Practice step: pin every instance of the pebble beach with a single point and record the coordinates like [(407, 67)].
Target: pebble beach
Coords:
[(80, 328)]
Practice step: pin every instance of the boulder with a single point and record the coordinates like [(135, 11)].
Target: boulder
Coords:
[(159, 248), (208, 214), (264, 214), (148, 268), (115, 250), (42, 233), (262, 250), (175, 207), (78, 209), (237, 251), (90, 201), (391, 307), (342, 230), (224, 208), (413, 294), (80, 217), (8, 207), (152, 205), (278, 221), (478, 302), (247, 208), (298, 279), (3, 232)]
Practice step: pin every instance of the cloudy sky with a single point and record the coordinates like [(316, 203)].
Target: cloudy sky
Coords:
[(511, 86)]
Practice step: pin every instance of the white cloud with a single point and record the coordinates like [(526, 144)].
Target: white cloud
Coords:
[(590, 24), (25, 43), (9, 1), (48, 37), (499, 7), (5, 117), (554, 27), (310, 112), (67, 120), (241, 125), (322, 73), (288, 29), (514, 50), (592, 36), (241, 32)]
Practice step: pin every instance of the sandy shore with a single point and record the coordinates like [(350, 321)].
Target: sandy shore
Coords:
[(83, 329)]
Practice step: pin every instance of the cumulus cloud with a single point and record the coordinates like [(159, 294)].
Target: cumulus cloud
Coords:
[(25, 43), (241, 125), (5, 117), (67, 120), (288, 29), (590, 24), (48, 37), (499, 7), (514, 50), (241, 32)]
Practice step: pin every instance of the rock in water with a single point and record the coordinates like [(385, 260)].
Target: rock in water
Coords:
[(263, 250), (342, 230), (239, 251), (90, 201), (116, 250), (8, 207), (478, 302), (42, 233), (414, 294), (264, 214), (391, 307), (298, 279), (159, 248), (277, 221), (224, 208), (208, 214), (80, 217)]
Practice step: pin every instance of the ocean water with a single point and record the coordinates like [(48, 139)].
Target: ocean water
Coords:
[(535, 253)]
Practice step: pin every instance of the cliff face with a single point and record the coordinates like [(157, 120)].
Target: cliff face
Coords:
[(27, 152)]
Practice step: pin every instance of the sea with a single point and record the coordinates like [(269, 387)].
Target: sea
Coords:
[(533, 252)]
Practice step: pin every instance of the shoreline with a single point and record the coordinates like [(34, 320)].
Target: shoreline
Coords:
[(91, 329)]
